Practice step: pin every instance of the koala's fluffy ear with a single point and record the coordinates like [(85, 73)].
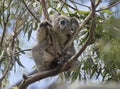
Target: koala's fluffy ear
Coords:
[(53, 16), (74, 23)]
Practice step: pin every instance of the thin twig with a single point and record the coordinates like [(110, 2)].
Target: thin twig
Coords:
[(74, 4), (68, 5), (109, 6), (30, 11), (62, 6), (20, 52), (5, 22), (3, 34), (98, 2)]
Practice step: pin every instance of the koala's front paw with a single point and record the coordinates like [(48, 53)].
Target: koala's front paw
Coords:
[(45, 24)]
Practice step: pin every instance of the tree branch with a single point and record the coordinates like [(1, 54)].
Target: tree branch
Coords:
[(44, 9), (19, 82), (37, 76)]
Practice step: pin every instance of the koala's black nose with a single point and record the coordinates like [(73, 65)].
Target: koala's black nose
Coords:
[(62, 22)]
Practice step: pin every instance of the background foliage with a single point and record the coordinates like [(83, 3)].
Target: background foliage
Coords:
[(101, 59)]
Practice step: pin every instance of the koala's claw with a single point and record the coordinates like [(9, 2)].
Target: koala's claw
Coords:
[(45, 23)]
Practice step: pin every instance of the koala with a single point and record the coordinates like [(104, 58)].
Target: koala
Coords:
[(64, 26), (44, 52)]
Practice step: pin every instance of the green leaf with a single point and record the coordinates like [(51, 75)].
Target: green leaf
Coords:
[(75, 75), (83, 12), (67, 74), (29, 34), (80, 76), (94, 70), (99, 72), (36, 26), (26, 28), (107, 11), (18, 61)]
